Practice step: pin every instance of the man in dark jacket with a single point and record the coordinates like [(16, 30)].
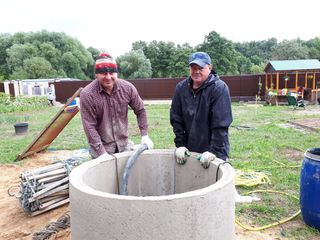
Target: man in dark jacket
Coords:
[(201, 113)]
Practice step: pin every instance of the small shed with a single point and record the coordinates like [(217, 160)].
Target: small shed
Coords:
[(279, 72)]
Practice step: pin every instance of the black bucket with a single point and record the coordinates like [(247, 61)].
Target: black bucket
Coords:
[(310, 188), (21, 128)]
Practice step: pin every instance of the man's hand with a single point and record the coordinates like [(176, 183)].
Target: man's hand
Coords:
[(135, 147), (146, 140), (129, 146), (206, 158), (180, 154)]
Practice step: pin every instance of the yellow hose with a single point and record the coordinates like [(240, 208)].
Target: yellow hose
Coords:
[(251, 178), (272, 224)]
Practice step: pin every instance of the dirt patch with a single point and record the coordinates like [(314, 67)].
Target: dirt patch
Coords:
[(310, 110), (16, 224), (304, 125), (293, 154), (312, 124)]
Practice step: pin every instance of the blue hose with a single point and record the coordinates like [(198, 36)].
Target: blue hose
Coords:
[(130, 162)]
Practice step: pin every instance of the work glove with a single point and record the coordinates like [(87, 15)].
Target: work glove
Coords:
[(146, 140), (129, 146), (180, 154), (206, 158), (135, 147), (245, 199)]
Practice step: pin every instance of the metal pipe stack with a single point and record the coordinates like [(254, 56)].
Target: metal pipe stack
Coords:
[(46, 188)]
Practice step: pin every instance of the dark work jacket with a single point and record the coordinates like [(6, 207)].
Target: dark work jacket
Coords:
[(201, 120)]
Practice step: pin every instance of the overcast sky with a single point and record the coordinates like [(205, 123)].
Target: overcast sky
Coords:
[(114, 25)]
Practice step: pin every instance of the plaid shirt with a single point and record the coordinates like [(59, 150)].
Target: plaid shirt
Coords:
[(105, 117)]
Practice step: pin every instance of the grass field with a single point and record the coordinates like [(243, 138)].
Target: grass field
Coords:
[(263, 139)]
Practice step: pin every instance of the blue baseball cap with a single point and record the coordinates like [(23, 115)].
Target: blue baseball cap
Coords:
[(200, 58)]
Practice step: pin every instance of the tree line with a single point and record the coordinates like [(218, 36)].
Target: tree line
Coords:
[(43, 54)]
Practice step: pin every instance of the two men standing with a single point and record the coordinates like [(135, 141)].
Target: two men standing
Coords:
[(200, 112)]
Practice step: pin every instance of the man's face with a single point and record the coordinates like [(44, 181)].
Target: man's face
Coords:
[(107, 80), (199, 74)]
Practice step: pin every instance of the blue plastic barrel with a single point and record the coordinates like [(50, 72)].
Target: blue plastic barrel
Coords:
[(310, 188)]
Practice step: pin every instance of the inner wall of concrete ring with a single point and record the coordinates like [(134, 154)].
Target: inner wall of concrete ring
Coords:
[(165, 200)]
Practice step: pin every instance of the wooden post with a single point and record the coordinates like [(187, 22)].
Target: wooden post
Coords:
[(286, 80), (306, 80), (266, 82), (277, 83), (314, 81), (296, 85)]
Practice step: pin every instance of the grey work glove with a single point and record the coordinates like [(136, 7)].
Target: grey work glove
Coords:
[(206, 158), (180, 154)]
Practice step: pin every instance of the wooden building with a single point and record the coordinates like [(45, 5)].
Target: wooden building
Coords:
[(283, 77)]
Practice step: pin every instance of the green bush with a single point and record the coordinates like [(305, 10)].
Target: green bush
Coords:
[(21, 103)]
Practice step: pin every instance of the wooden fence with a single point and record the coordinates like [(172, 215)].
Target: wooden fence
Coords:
[(242, 87)]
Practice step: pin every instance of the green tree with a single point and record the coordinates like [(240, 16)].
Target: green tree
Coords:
[(19, 73), (33, 68), (179, 65), (134, 65), (71, 65), (5, 43), (257, 50), (37, 67), (94, 52), (314, 48), (256, 60), (243, 64), (256, 69), (222, 52), (51, 54), (290, 50), (139, 45), (160, 55), (66, 55), (167, 59), (18, 53)]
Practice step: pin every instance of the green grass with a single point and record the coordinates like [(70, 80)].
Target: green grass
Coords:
[(259, 140), (264, 147)]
